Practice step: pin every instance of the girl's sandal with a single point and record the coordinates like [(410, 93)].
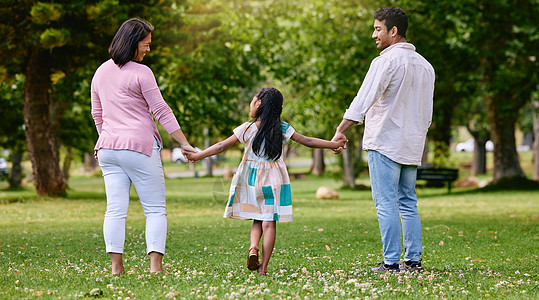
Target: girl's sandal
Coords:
[(252, 259)]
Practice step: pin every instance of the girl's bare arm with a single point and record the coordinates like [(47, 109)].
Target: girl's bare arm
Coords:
[(214, 149), (316, 142)]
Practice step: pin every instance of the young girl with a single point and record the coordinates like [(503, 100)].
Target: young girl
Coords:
[(260, 189)]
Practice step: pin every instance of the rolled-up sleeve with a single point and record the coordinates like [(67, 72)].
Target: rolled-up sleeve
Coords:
[(160, 109), (372, 88)]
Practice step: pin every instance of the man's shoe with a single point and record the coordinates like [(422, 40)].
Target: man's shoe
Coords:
[(382, 268), (411, 266)]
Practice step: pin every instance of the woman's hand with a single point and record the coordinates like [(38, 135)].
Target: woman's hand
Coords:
[(189, 152)]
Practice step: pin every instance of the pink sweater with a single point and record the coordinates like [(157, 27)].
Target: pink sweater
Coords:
[(123, 100)]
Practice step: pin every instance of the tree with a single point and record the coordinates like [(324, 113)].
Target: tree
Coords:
[(495, 41), (38, 37), (73, 123), (12, 129), (507, 32), (321, 50), (44, 39), (472, 114), (535, 149), (436, 29), (209, 76)]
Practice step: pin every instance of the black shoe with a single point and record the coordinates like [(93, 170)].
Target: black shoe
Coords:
[(411, 266), (382, 268)]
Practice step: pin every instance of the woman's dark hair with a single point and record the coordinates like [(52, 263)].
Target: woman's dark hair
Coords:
[(393, 16), (124, 45), (269, 134)]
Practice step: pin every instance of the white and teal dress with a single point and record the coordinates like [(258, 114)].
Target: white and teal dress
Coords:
[(260, 189)]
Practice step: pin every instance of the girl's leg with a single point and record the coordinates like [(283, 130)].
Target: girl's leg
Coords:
[(256, 233), (252, 257), (270, 231)]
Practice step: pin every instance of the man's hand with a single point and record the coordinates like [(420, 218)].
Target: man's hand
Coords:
[(339, 133), (338, 137)]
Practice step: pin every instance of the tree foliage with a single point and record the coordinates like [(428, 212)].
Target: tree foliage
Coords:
[(210, 56), (205, 76), (53, 41)]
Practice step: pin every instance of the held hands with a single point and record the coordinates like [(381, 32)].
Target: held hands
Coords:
[(339, 143), (341, 139), (189, 152)]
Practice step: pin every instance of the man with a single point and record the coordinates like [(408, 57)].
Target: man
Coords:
[(395, 99)]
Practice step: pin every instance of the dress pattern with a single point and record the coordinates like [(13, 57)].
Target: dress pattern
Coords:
[(260, 189)]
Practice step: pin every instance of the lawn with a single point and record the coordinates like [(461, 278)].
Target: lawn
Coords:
[(476, 245)]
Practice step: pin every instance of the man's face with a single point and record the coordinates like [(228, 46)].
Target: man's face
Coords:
[(381, 35)]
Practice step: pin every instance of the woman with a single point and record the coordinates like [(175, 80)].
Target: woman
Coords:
[(124, 96)]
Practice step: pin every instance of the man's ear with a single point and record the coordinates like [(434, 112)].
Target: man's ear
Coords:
[(394, 31)]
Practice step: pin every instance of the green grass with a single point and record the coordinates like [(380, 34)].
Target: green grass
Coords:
[(476, 245)]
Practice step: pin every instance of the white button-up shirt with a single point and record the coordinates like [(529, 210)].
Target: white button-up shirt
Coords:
[(395, 99)]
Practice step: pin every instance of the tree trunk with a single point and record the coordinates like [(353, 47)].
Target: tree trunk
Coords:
[(425, 156), (90, 163), (286, 152), (209, 160), (506, 163), (40, 136), (359, 158), (348, 165), (479, 164), (67, 162), (535, 148), (15, 179), (318, 166)]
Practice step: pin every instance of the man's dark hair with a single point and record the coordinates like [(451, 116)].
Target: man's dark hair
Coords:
[(393, 16), (124, 45)]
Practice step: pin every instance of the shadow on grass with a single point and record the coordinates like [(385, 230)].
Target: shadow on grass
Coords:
[(506, 184), (516, 183), (23, 195), (357, 187)]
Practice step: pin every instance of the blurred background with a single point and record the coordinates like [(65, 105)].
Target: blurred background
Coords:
[(210, 57)]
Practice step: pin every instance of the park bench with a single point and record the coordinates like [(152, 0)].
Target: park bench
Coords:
[(437, 175)]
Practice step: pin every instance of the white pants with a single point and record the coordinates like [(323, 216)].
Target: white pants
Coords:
[(120, 168)]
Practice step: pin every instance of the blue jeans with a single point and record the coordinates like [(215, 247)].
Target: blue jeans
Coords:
[(394, 195)]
